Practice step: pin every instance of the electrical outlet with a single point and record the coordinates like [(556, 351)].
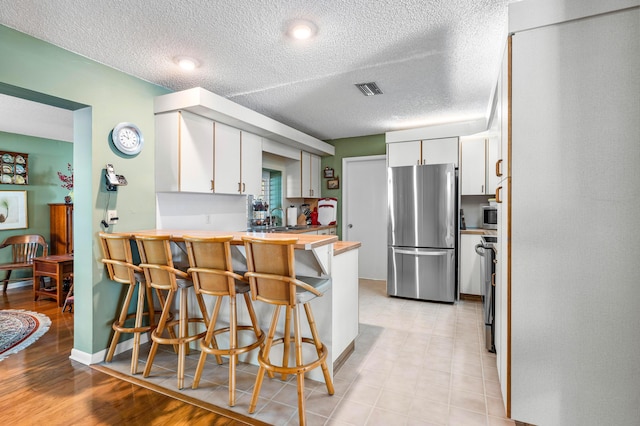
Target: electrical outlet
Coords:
[(112, 217)]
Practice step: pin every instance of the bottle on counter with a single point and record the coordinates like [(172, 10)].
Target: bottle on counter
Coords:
[(314, 216)]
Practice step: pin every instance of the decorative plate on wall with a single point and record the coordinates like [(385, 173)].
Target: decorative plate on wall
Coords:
[(14, 168)]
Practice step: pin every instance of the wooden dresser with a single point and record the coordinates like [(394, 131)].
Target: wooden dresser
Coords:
[(61, 228)]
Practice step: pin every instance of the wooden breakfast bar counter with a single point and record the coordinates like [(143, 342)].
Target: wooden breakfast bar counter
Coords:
[(318, 256)]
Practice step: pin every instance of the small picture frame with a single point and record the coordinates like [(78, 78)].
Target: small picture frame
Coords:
[(333, 183), (13, 210), (328, 173)]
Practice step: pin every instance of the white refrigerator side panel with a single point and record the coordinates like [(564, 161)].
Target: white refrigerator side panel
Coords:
[(575, 231)]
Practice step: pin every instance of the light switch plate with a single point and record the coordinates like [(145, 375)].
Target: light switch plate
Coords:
[(112, 217)]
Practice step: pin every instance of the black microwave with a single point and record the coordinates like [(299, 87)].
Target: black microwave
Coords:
[(489, 217)]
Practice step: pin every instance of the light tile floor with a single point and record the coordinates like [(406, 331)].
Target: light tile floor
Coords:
[(415, 363)]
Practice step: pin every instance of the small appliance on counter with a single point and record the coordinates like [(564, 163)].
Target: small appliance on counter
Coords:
[(327, 211), (490, 217)]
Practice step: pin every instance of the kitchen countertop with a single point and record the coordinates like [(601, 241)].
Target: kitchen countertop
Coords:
[(305, 241), (309, 228), (340, 247), (478, 231)]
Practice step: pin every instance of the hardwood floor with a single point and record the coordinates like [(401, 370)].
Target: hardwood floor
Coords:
[(41, 385)]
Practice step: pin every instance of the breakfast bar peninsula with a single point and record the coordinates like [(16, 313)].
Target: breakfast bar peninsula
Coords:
[(316, 256)]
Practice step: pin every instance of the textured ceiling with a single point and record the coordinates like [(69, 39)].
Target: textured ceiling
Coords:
[(436, 61)]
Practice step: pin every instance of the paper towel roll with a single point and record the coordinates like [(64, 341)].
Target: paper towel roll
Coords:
[(292, 216)]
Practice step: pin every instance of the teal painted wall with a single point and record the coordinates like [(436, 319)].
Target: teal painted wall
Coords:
[(46, 157), (349, 147), (111, 97)]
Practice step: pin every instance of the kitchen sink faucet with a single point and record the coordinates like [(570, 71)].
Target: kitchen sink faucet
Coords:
[(273, 220)]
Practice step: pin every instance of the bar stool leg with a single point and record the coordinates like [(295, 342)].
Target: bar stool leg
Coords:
[(256, 326), (264, 355), (121, 319), (318, 345), (233, 357), (159, 330), (183, 327), (203, 355), (300, 375), (135, 353), (287, 338), (213, 342)]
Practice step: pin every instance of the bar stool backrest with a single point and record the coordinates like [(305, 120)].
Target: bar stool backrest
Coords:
[(210, 265), (270, 263), (157, 262), (118, 258)]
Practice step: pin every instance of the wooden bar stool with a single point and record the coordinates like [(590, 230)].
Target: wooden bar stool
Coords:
[(160, 273), (118, 259), (211, 269), (272, 279)]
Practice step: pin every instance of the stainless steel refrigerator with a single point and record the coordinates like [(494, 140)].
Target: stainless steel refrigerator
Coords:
[(423, 232)]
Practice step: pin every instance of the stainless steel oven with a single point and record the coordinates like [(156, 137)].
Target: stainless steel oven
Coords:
[(487, 249)]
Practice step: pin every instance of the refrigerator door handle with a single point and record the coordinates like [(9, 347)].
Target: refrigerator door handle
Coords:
[(422, 253)]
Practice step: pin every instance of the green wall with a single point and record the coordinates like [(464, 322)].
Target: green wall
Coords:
[(349, 147), (110, 97), (46, 158)]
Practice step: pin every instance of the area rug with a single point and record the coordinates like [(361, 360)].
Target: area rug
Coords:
[(19, 329)]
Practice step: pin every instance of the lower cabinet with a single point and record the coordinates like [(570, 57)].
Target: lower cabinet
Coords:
[(61, 228), (470, 280)]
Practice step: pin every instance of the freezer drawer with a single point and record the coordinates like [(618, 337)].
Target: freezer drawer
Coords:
[(426, 274)]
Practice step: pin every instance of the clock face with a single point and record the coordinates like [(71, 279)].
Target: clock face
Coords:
[(127, 138)]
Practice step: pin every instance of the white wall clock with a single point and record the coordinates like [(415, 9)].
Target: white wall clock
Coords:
[(127, 138)]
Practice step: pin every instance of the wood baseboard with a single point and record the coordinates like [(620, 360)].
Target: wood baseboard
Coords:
[(472, 297)]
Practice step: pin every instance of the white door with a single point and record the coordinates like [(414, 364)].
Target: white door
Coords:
[(364, 212)]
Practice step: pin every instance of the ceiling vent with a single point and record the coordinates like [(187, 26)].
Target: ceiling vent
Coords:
[(369, 89)]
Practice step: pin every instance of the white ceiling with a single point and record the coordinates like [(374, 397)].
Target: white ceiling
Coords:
[(436, 61)]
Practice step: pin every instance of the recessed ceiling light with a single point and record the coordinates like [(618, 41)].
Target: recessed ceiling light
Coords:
[(187, 63), (302, 30)]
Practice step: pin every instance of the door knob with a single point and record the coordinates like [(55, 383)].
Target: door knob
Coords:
[(350, 225)]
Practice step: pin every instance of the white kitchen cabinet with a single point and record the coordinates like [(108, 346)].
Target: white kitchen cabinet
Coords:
[(472, 166), (238, 161), (478, 156), (470, 280), (303, 177), (186, 143), (199, 155), (427, 151), (327, 231), (251, 163)]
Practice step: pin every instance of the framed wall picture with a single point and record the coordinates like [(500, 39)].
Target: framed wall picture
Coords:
[(333, 183), (328, 172), (13, 210)]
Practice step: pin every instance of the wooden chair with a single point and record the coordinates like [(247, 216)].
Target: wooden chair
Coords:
[(24, 248), (211, 269), (162, 275), (118, 259), (272, 279)]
